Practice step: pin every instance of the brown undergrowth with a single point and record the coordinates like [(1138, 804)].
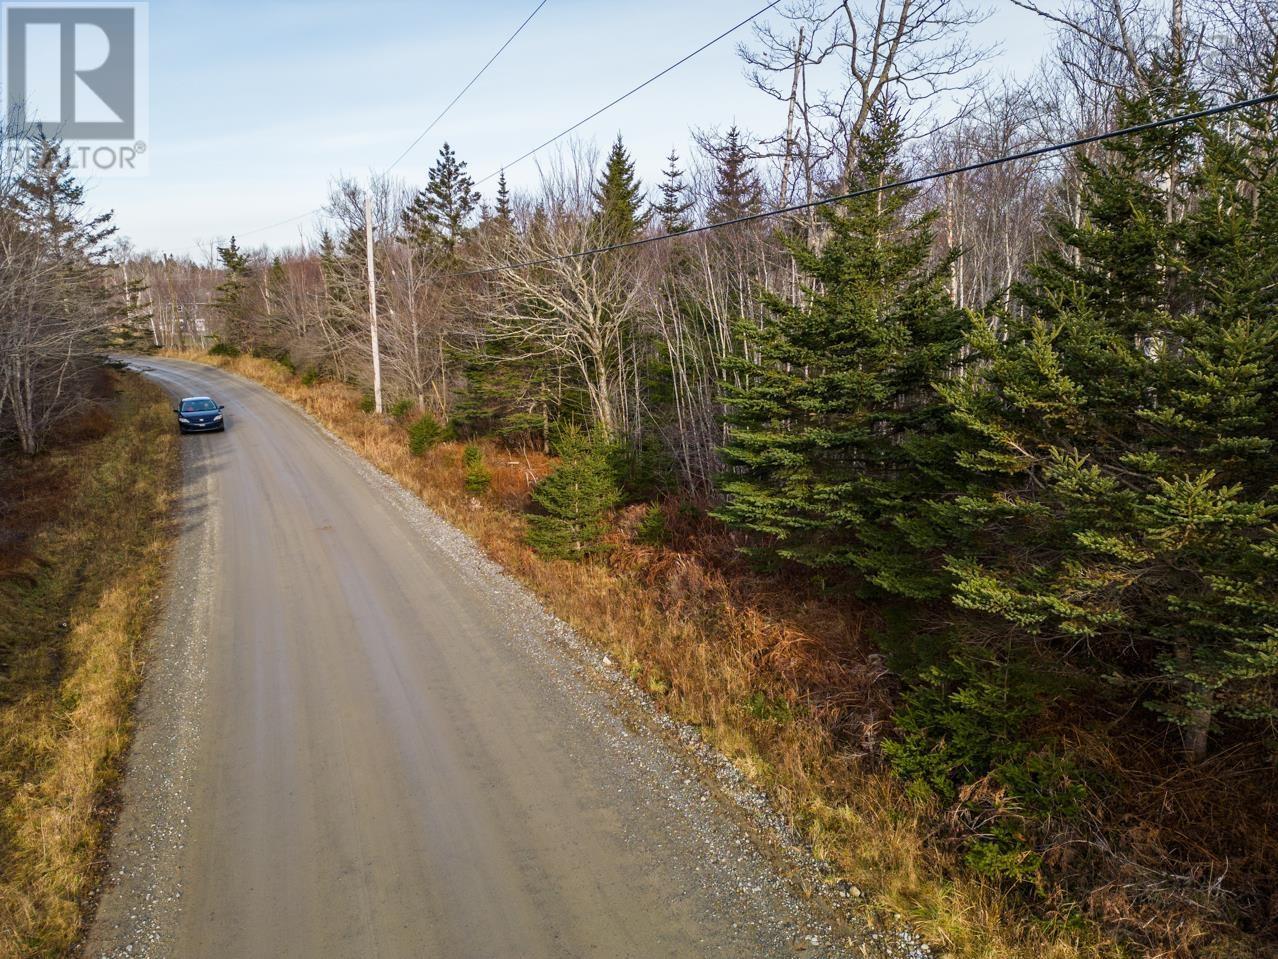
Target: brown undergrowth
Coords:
[(786, 681), (85, 540)]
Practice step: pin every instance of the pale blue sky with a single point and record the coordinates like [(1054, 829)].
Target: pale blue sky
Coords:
[(255, 106)]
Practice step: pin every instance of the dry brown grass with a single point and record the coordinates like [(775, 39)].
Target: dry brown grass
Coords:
[(77, 593), (782, 680), (783, 685)]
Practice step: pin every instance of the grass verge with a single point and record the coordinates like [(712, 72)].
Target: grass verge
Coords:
[(769, 677), (86, 538)]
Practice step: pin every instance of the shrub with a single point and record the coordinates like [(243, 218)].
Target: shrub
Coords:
[(223, 349), (275, 354), (424, 433), (517, 430), (964, 736), (399, 409), (575, 499), (769, 709), (310, 377), (478, 479), (367, 403), (653, 530)]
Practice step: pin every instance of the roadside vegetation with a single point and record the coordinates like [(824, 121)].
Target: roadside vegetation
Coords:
[(792, 684), (86, 469), (86, 534), (64, 297), (948, 512)]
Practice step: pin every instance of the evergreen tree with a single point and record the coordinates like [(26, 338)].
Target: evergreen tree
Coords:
[(675, 203), (737, 191), (619, 197), (575, 499), (331, 272), (508, 393), (1126, 423), (503, 213), (276, 286), (61, 304), (478, 478), (424, 433), (327, 251), (273, 333), (343, 268), (838, 434), (233, 301), (51, 202), (276, 278), (438, 214)]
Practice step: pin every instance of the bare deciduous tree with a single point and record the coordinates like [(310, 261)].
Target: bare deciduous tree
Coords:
[(56, 296)]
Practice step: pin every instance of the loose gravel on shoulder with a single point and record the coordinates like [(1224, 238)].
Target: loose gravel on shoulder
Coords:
[(359, 736)]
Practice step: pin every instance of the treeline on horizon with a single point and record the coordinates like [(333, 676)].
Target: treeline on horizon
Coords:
[(1028, 415)]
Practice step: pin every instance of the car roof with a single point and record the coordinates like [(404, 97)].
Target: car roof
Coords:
[(187, 399)]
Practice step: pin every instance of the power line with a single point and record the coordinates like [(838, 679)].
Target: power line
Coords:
[(482, 70), (629, 93), (421, 136), (883, 188), (272, 226), (558, 136)]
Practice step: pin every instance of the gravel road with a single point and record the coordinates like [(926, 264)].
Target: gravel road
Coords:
[(358, 738)]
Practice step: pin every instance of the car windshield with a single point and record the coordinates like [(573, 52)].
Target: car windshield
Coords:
[(198, 406)]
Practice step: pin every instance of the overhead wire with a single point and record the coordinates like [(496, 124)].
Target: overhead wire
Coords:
[(421, 136), (482, 70), (629, 93), (884, 187)]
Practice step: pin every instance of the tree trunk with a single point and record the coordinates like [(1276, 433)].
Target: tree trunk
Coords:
[(1197, 725), (1194, 734)]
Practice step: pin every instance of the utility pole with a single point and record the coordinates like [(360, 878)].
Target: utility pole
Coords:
[(372, 302)]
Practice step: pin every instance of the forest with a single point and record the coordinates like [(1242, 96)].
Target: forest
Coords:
[(60, 304), (1018, 424)]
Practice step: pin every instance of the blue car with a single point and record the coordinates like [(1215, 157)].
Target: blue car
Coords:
[(199, 414)]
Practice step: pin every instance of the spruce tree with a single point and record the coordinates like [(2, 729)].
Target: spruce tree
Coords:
[(478, 477), (233, 301), (838, 435), (675, 202), (423, 433), (503, 213), (327, 252), (52, 204), (438, 214), (575, 499), (737, 191), (1125, 421), (61, 305), (276, 279), (619, 197), (333, 273), (276, 287), (344, 272), (508, 393)]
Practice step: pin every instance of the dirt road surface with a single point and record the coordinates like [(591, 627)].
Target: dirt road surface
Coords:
[(359, 739)]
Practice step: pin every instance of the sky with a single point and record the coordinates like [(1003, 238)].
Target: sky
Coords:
[(256, 106)]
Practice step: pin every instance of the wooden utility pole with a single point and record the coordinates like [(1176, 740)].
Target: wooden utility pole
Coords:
[(372, 302)]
